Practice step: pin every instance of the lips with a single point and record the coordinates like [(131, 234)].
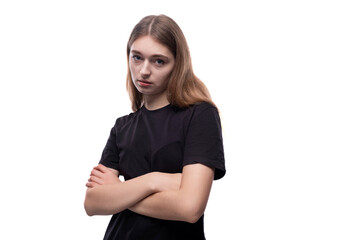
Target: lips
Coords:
[(144, 83)]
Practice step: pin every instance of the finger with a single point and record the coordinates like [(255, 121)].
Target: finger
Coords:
[(96, 172), (91, 184), (102, 168), (96, 180)]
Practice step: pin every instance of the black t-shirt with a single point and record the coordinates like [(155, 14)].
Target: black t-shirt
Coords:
[(163, 140)]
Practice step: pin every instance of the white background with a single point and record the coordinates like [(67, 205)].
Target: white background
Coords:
[(285, 75)]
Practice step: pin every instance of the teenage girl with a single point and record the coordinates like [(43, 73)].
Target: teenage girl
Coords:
[(169, 149)]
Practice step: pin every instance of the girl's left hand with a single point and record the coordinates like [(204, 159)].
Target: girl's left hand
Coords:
[(101, 175)]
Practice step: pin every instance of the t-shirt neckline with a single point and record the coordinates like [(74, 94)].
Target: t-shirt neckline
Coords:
[(155, 110)]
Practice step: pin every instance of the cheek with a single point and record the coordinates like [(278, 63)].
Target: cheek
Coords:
[(164, 77), (166, 74), (132, 72)]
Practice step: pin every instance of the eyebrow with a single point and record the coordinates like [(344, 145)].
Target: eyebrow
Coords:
[(153, 56)]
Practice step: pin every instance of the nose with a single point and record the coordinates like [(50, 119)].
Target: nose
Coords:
[(145, 69)]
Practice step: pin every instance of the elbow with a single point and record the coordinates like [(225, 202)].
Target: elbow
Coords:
[(89, 213), (193, 213), (89, 208), (193, 219)]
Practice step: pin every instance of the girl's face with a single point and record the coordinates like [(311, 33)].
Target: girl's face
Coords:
[(151, 64)]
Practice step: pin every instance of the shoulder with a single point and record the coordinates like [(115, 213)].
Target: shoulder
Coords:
[(203, 108), (203, 115), (124, 120), (194, 111)]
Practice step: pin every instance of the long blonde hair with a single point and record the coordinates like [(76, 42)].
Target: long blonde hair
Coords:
[(184, 88)]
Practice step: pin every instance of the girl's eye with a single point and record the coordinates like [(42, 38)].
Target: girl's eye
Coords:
[(136, 57), (159, 62)]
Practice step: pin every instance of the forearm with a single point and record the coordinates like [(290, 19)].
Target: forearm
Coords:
[(113, 198), (170, 205), (187, 203)]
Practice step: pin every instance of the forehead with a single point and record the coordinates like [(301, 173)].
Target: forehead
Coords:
[(148, 45)]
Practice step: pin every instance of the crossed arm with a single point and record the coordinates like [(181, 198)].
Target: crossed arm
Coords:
[(181, 197)]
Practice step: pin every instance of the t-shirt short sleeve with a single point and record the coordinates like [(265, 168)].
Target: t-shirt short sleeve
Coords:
[(203, 143), (110, 154)]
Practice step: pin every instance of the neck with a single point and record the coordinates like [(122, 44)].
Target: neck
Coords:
[(155, 102)]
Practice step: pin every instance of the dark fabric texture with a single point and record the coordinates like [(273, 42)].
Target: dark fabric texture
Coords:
[(163, 140)]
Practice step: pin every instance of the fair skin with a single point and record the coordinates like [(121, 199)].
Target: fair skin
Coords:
[(181, 197), (151, 64)]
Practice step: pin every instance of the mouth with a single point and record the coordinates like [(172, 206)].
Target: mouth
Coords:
[(144, 83)]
